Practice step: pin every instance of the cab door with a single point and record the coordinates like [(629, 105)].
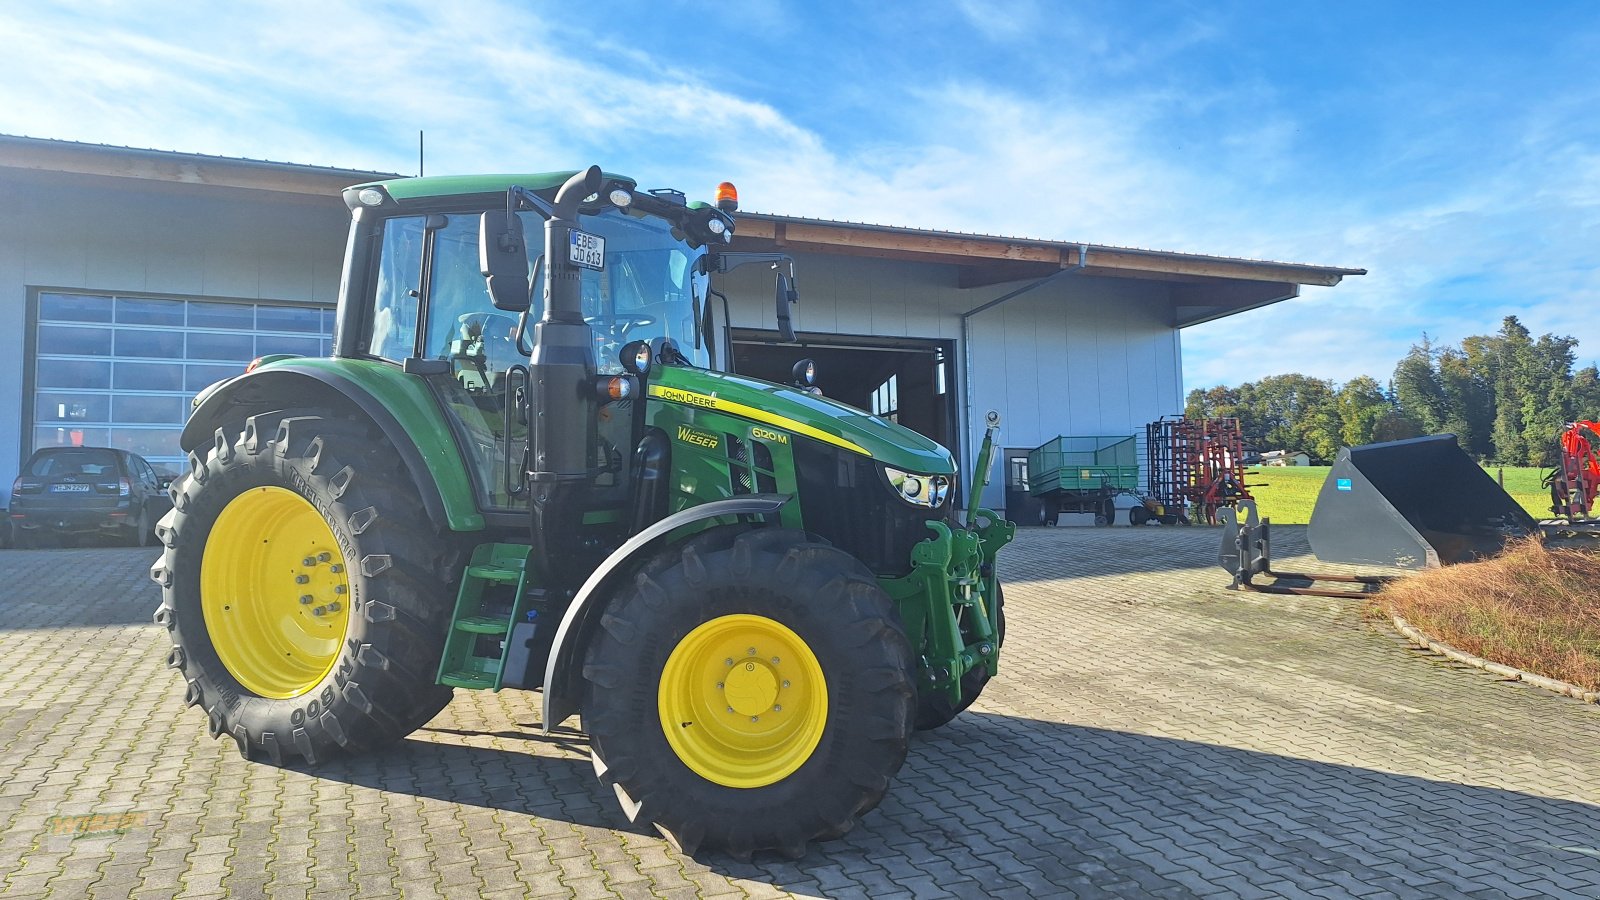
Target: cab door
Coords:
[(431, 313)]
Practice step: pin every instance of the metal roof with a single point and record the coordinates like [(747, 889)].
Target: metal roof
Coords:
[(1203, 286), (1058, 245), (43, 154)]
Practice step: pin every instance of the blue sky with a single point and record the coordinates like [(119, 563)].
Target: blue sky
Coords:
[(1452, 149)]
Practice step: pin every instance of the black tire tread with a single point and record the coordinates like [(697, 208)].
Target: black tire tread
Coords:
[(382, 686), (873, 721)]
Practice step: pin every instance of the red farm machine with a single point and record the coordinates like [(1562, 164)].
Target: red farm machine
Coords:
[(1575, 478), (1195, 466)]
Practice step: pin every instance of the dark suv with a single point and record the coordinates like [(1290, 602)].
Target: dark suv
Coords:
[(65, 492)]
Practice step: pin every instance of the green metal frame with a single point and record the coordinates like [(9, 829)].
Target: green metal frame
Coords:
[(460, 665), (948, 602)]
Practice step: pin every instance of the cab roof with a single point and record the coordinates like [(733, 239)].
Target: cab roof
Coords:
[(403, 189)]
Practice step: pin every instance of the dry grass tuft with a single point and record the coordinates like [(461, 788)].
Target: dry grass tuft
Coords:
[(1534, 608)]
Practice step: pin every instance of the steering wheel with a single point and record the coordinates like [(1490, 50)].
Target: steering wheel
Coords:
[(495, 332), (491, 328)]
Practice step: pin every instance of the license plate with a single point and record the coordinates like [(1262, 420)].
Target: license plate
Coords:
[(586, 250), (69, 488)]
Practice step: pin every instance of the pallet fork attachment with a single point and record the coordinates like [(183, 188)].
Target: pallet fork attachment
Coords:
[(1246, 552)]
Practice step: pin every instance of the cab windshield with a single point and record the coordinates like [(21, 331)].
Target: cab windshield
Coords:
[(647, 287)]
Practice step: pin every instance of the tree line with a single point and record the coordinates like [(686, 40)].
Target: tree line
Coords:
[(1504, 395)]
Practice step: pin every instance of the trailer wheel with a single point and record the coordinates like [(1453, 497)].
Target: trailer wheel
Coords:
[(935, 710), (749, 690), (303, 590)]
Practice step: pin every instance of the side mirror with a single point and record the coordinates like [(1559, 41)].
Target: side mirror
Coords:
[(786, 295), (503, 260)]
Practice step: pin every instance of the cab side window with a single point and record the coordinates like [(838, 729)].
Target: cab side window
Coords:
[(458, 298), (393, 329)]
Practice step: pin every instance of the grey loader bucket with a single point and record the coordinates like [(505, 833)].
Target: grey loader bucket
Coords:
[(1415, 504)]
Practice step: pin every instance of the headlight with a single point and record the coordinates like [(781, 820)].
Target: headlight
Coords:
[(919, 490)]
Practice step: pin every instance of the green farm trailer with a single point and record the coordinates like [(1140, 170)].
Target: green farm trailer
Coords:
[(1082, 474)]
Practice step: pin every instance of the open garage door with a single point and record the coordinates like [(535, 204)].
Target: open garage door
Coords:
[(910, 381)]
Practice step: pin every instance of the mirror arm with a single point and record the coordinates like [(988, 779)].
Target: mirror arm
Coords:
[(519, 197)]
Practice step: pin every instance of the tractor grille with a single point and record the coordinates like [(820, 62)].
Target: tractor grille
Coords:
[(845, 498), (749, 466)]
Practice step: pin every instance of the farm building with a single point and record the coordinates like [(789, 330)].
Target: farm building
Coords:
[(129, 279), (1286, 458)]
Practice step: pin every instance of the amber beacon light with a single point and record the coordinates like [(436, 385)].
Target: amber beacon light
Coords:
[(727, 197)]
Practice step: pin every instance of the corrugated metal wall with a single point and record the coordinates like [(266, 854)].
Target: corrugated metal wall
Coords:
[(181, 241)]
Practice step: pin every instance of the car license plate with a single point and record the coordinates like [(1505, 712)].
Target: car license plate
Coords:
[(69, 488), (586, 250)]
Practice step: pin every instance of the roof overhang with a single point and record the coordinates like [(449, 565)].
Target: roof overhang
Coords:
[(162, 166), (1203, 288)]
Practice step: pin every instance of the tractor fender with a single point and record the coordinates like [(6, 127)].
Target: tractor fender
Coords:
[(560, 680), (423, 436)]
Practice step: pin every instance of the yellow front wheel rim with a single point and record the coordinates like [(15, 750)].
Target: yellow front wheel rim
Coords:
[(274, 592), (743, 702)]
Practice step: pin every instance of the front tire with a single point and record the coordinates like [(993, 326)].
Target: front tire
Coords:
[(783, 675), (304, 593)]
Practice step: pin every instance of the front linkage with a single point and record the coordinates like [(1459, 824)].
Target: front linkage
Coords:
[(950, 602)]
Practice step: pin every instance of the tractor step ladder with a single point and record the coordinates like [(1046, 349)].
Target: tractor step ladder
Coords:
[(491, 600)]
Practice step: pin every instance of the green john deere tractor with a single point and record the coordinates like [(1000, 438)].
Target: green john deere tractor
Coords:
[(751, 594)]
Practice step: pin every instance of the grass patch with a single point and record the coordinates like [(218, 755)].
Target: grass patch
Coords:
[(1532, 607), (1286, 494)]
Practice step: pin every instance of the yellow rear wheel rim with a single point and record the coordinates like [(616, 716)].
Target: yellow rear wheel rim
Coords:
[(743, 701), (274, 591)]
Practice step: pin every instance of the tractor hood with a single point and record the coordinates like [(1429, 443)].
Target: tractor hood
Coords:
[(803, 414)]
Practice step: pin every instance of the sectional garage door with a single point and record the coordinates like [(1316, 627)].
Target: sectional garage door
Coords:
[(114, 371)]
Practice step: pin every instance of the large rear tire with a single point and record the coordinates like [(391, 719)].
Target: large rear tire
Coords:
[(750, 690), (934, 709), (303, 589)]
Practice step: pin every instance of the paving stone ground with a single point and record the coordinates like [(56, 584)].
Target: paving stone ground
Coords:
[(1151, 734)]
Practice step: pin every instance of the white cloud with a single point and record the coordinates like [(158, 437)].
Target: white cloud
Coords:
[(1000, 20)]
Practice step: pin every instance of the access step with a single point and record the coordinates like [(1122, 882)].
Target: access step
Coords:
[(492, 600), (476, 681), (500, 574), (484, 624)]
